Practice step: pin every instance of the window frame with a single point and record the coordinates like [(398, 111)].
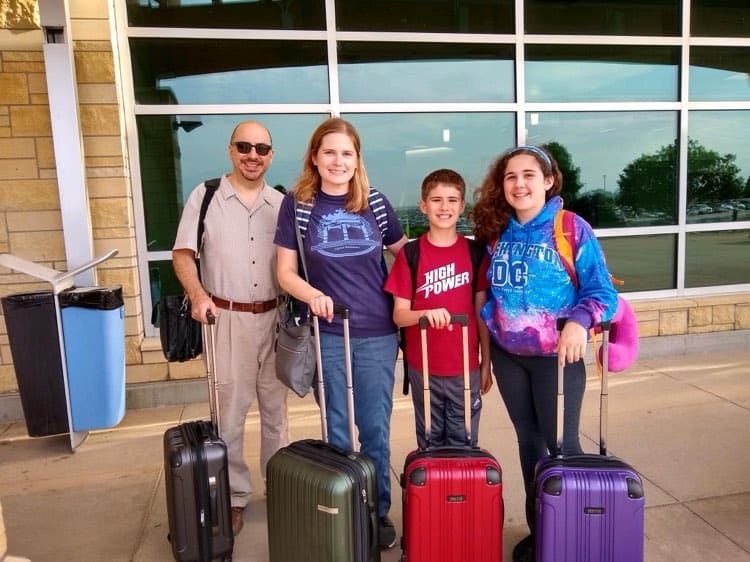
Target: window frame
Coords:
[(520, 107)]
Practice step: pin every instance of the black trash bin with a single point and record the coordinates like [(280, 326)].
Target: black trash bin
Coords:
[(33, 336)]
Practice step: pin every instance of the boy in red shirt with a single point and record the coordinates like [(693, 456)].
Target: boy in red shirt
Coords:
[(447, 282)]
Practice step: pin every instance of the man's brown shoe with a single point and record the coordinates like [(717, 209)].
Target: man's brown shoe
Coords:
[(237, 521)]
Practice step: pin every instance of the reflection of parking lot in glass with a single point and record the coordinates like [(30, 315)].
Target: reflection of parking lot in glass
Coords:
[(720, 216), (649, 218), (736, 210), (698, 213)]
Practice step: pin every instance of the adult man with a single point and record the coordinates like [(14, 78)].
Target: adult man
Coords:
[(238, 285)]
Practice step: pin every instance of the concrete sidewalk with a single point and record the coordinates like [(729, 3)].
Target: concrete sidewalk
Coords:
[(683, 422)]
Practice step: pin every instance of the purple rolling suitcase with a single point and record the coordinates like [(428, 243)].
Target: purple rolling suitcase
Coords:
[(589, 508)]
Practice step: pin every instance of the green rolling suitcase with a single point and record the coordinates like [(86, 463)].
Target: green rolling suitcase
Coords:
[(322, 500)]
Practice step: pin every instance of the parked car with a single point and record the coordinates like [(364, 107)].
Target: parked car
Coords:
[(699, 209)]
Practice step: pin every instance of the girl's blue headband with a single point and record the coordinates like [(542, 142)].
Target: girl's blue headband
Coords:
[(535, 149)]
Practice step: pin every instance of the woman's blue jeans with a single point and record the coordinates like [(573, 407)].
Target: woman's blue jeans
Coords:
[(373, 364)]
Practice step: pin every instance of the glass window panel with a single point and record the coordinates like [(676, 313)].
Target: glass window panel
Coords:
[(196, 71), (428, 72), (719, 73), (232, 14), (615, 17), (399, 150), (427, 16), (619, 168), (163, 281), (174, 158), (720, 18), (717, 258), (601, 73), (640, 270), (718, 166)]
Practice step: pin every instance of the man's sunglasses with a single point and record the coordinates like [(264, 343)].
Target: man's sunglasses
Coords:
[(245, 147)]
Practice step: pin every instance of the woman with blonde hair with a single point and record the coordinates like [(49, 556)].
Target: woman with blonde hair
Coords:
[(344, 224)]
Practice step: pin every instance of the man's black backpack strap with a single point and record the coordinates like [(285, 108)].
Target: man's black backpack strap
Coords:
[(211, 186)]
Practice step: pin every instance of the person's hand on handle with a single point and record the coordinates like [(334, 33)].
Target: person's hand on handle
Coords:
[(200, 306), (186, 269), (438, 318), (322, 306), (572, 344)]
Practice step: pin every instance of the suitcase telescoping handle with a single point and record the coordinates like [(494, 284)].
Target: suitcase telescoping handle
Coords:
[(344, 312), (209, 357), (603, 396), (463, 320)]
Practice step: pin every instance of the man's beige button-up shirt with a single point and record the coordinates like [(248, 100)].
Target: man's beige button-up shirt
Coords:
[(238, 257)]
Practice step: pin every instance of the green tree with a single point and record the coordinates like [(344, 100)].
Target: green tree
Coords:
[(711, 176), (598, 208), (650, 181), (570, 172)]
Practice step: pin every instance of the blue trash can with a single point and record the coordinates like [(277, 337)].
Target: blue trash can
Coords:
[(93, 321)]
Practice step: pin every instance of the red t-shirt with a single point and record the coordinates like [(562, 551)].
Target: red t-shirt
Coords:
[(444, 280)]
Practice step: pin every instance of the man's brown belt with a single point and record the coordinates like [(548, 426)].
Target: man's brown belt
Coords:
[(255, 307)]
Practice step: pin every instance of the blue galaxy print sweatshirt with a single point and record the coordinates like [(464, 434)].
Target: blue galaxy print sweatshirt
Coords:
[(530, 288)]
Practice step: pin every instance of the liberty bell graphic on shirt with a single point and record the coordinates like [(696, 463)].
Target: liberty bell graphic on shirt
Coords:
[(344, 234)]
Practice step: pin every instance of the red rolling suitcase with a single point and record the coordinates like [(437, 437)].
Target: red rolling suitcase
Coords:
[(589, 508), (452, 496), (196, 475), (322, 500)]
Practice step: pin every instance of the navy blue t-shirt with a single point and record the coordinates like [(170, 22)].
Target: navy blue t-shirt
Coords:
[(343, 253)]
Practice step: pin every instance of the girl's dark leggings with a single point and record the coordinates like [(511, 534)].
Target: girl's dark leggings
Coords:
[(528, 386)]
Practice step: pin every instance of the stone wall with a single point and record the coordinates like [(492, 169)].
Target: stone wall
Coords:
[(656, 318), (30, 218), (695, 315)]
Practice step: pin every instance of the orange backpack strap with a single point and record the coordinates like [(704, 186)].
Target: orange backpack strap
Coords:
[(565, 242)]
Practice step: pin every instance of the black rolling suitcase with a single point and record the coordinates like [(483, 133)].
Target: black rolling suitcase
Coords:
[(196, 475), (322, 500)]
